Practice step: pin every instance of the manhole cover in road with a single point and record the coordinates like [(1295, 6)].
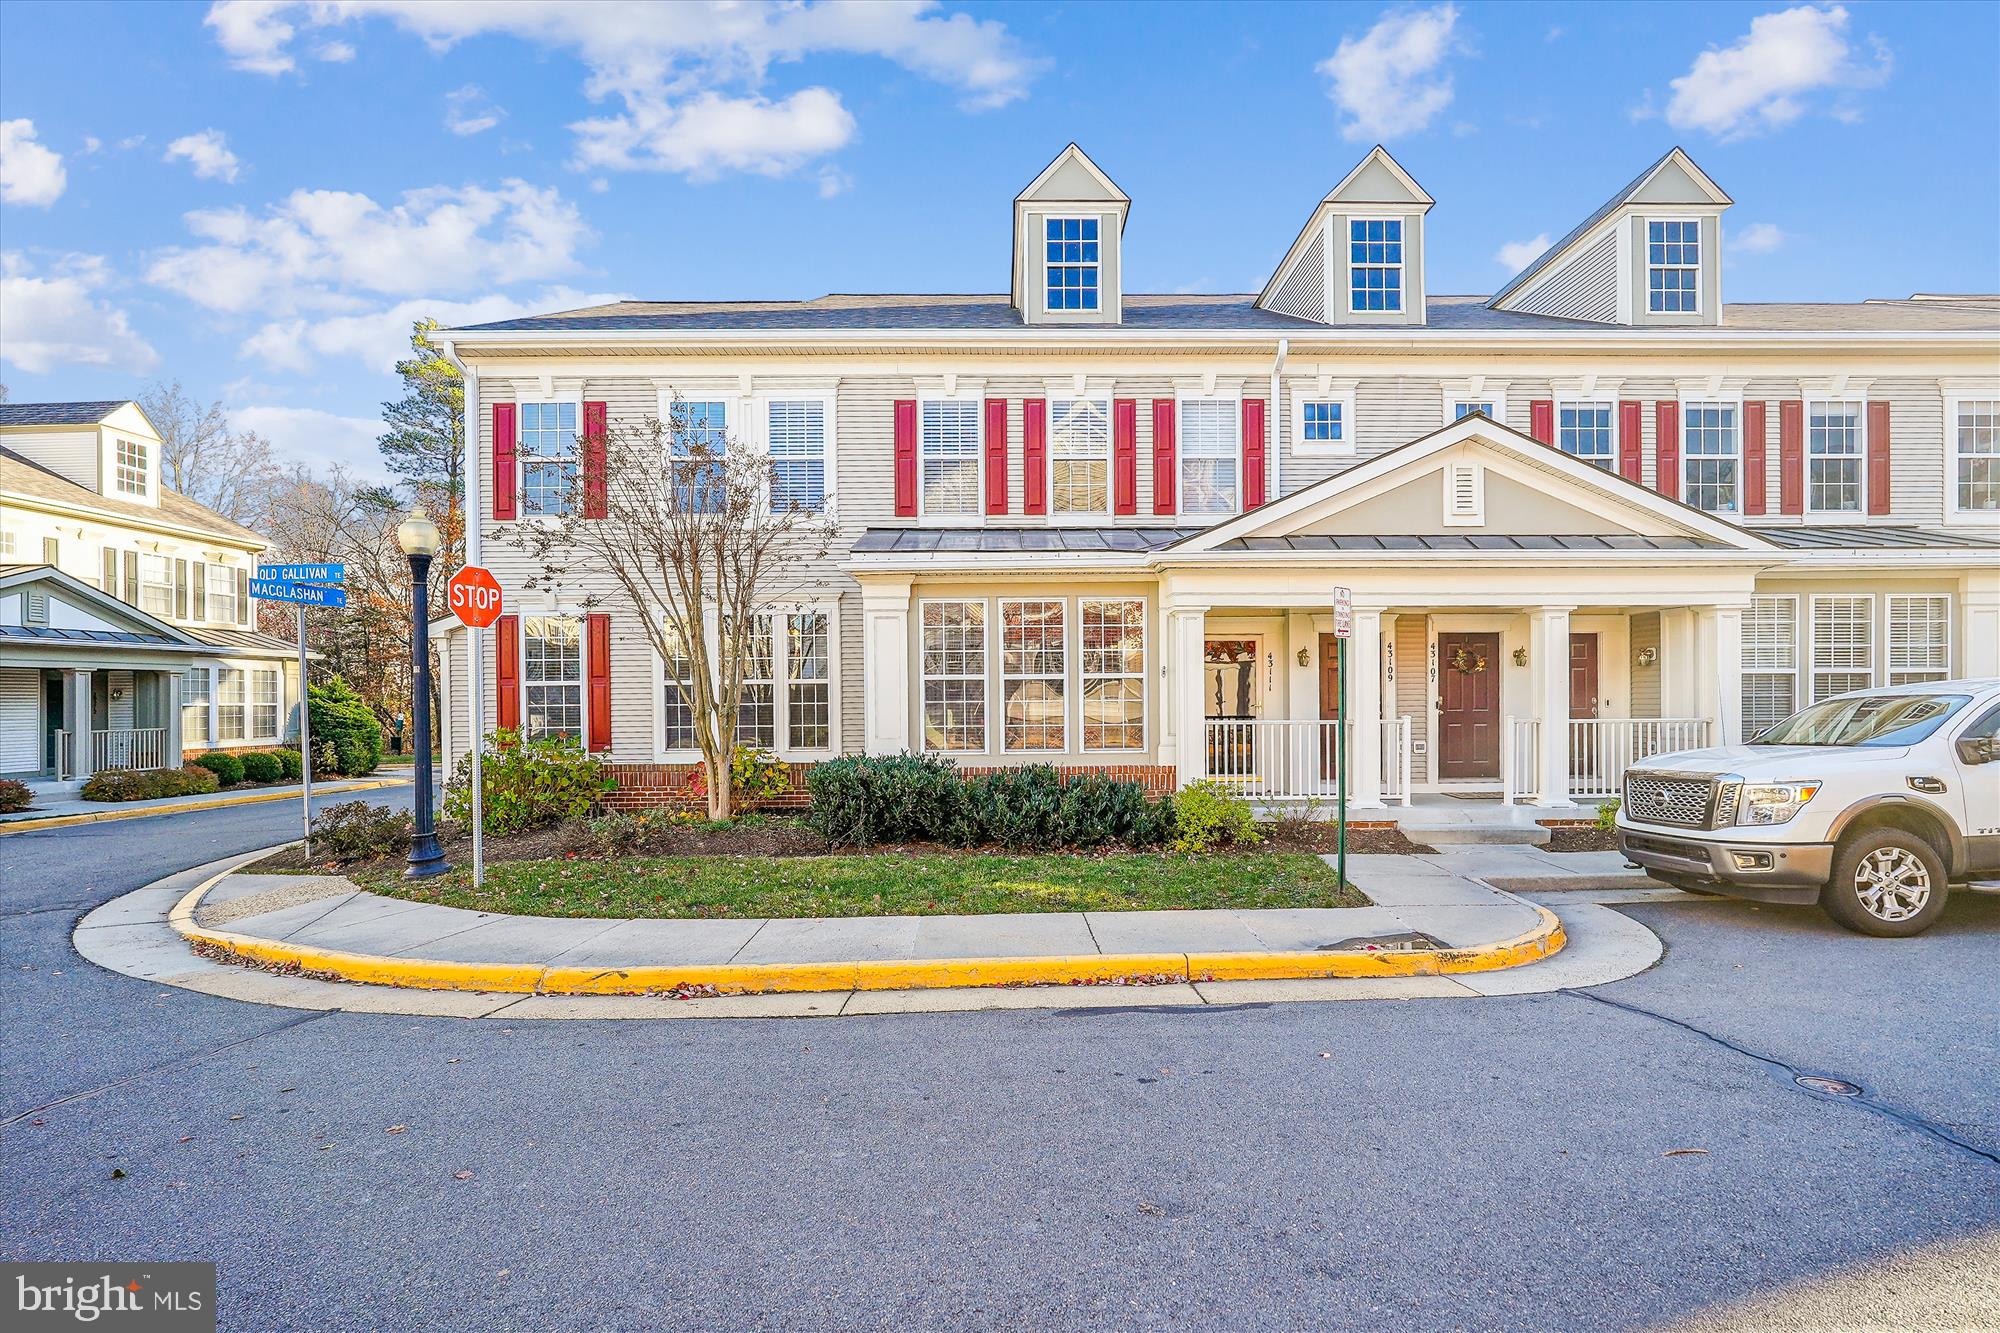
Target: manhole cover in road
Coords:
[(1835, 1086)]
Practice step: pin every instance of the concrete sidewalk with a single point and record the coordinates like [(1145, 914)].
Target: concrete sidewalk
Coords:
[(60, 811)]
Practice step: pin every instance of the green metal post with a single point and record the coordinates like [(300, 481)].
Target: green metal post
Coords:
[(1340, 768)]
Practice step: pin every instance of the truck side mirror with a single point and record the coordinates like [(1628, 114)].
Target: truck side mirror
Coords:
[(1979, 750)]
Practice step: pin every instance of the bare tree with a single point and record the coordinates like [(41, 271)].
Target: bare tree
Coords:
[(202, 458), (699, 542)]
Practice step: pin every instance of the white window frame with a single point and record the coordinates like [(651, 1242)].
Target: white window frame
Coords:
[(1402, 273), (1096, 265), (1955, 455), (1795, 671), (762, 405), (143, 452), (256, 704), (576, 618), (164, 566), (1084, 516), (1700, 261), (571, 397), (1083, 678), (1814, 670), (977, 513), (1910, 675), (770, 626), (985, 676), (780, 666), (1858, 514), (1688, 402), (1062, 677), (223, 703), (1181, 455), (205, 701), (1305, 448), (225, 595), (1609, 401)]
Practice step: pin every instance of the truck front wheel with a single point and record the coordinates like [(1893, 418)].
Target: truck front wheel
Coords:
[(1885, 882)]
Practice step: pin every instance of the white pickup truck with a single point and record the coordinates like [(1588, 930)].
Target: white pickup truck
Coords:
[(1870, 804)]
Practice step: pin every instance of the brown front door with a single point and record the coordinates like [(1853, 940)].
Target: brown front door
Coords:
[(1329, 703), (1583, 675), (1468, 707)]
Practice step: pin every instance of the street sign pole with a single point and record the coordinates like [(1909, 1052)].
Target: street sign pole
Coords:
[(302, 585), (474, 597), (305, 739)]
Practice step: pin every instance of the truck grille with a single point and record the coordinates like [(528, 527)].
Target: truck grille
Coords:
[(1657, 798)]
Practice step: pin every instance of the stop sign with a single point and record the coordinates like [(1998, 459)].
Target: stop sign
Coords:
[(475, 596)]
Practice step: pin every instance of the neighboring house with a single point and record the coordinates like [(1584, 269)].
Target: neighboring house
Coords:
[(1594, 516), (124, 606)]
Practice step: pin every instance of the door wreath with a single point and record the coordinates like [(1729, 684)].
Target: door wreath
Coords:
[(1467, 662)]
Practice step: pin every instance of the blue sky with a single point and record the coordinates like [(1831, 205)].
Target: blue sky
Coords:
[(256, 198)]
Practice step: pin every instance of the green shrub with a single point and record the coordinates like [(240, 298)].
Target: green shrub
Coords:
[(345, 729), (920, 798), (527, 784), (1208, 815), (861, 801), (228, 769), (756, 774), (258, 766), (123, 784), (291, 765), (356, 830), (1098, 811), (1014, 807), (14, 796), (1607, 815)]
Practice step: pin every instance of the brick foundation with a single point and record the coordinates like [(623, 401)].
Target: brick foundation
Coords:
[(658, 786)]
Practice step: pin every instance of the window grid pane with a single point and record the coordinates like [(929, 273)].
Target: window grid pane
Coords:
[(1113, 651), (156, 585), (229, 705), (1080, 456), (1833, 457), (194, 707), (954, 675), (1673, 266), (264, 705), (797, 444), (1459, 411), (552, 678), (1709, 447), (547, 446), (699, 425), (1322, 422), (1033, 675), (678, 731), (1070, 249), (1210, 431), (809, 694), (948, 449), (131, 467), (1375, 263), (1583, 430), (757, 704), (1978, 430)]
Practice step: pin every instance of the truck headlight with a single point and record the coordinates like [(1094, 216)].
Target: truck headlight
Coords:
[(1773, 802)]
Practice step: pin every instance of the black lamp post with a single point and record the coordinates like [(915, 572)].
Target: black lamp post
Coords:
[(418, 537)]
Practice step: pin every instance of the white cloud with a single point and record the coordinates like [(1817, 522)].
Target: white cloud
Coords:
[(468, 111), (1517, 255), (833, 182), (322, 437), (334, 53), (1759, 238), (208, 152), (54, 318), (1765, 80), (689, 76), (92, 144), (322, 250), (30, 173), (1387, 81), (377, 338)]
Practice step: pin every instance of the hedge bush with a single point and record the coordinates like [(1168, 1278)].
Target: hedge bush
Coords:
[(861, 802), (123, 784), (1208, 815), (527, 784), (346, 735), (291, 765), (356, 830), (14, 796), (260, 766), (228, 769)]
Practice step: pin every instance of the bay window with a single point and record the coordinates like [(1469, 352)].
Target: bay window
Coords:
[(1211, 453), (954, 675), (1033, 699), (1080, 456)]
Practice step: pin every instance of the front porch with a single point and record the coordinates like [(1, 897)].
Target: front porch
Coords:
[(63, 724)]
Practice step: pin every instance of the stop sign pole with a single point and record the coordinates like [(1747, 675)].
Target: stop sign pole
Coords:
[(474, 597)]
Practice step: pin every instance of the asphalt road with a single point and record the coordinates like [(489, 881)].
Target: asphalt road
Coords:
[(1502, 1163)]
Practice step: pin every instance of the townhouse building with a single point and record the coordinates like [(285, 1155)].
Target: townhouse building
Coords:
[(127, 635), (1597, 514)]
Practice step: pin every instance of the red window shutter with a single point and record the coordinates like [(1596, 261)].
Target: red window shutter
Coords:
[(906, 458), (1792, 458), (1125, 456), (996, 455), (1667, 449), (1878, 458), (503, 460), (1164, 463), (596, 495), (507, 668), (1253, 452), (597, 661), (1753, 458), (1631, 448), (1542, 420), (1034, 456)]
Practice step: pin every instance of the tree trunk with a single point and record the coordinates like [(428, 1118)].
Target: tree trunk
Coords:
[(719, 793)]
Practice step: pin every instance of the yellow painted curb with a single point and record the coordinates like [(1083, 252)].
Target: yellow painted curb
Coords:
[(881, 974), (248, 798)]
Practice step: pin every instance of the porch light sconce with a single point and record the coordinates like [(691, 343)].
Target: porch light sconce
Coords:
[(1305, 657), (1520, 657), (1647, 656)]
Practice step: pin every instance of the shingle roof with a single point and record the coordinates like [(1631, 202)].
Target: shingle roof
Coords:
[(20, 475), (245, 640), (891, 312), (59, 414)]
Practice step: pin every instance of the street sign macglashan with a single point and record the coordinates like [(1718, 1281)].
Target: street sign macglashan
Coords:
[(303, 573), (304, 594), (474, 596)]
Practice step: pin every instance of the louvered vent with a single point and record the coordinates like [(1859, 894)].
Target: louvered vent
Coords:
[(1464, 495), (38, 608), (1303, 293)]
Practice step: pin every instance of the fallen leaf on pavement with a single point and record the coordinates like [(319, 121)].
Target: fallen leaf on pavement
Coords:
[(118, 1173), (187, 1138), (461, 1175), (395, 1129), (1685, 1152), (236, 1117), (1152, 1210)]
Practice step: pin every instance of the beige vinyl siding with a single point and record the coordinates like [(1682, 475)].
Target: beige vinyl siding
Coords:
[(1645, 680), (1387, 413), (1412, 687), (1918, 448), (20, 714), (1585, 287), (1303, 293), (72, 453)]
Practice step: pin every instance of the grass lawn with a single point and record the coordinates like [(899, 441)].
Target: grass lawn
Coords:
[(881, 885)]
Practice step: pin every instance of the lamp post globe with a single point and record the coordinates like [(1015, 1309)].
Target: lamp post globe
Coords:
[(419, 538)]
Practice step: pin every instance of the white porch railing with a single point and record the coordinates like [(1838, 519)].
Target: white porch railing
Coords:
[(117, 747), (1520, 759), (1281, 759), (1600, 750)]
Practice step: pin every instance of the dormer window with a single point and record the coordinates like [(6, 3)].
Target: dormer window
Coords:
[(1071, 251), (131, 475), (1673, 267), (1375, 264)]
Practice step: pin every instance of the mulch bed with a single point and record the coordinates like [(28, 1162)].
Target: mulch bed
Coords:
[(1581, 838), (1323, 836)]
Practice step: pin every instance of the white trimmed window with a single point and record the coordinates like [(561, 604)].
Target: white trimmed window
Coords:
[(954, 676), (1589, 431), (1034, 698), (1463, 409), (551, 677), (677, 700), (1070, 249), (1374, 264), (796, 440), (1770, 662), (131, 467), (1323, 425), (1843, 643), (1080, 456), (808, 680), (1673, 266), (757, 704), (1835, 457), (1977, 431), (1919, 638), (156, 585), (194, 707), (948, 445), (700, 424), (1113, 664), (229, 705), (264, 702), (10, 544), (547, 446), (1211, 433), (1711, 456), (222, 594)]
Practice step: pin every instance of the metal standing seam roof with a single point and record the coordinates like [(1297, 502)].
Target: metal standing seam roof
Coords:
[(1874, 538), (1471, 542), (59, 414), (44, 632), (1015, 541)]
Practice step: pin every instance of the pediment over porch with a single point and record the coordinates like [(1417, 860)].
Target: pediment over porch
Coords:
[(1474, 485)]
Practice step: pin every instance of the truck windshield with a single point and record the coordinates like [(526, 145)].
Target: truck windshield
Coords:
[(1869, 719)]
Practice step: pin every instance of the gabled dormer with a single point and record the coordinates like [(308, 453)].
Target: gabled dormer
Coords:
[(1067, 227), (106, 446), (1650, 255), (1360, 257)]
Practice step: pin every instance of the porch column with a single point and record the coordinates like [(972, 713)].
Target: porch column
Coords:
[(887, 702), (1718, 671), (1548, 651), (76, 721), (1979, 594), (1677, 664), (1364, 706), (171, 682), (1186, 627)]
